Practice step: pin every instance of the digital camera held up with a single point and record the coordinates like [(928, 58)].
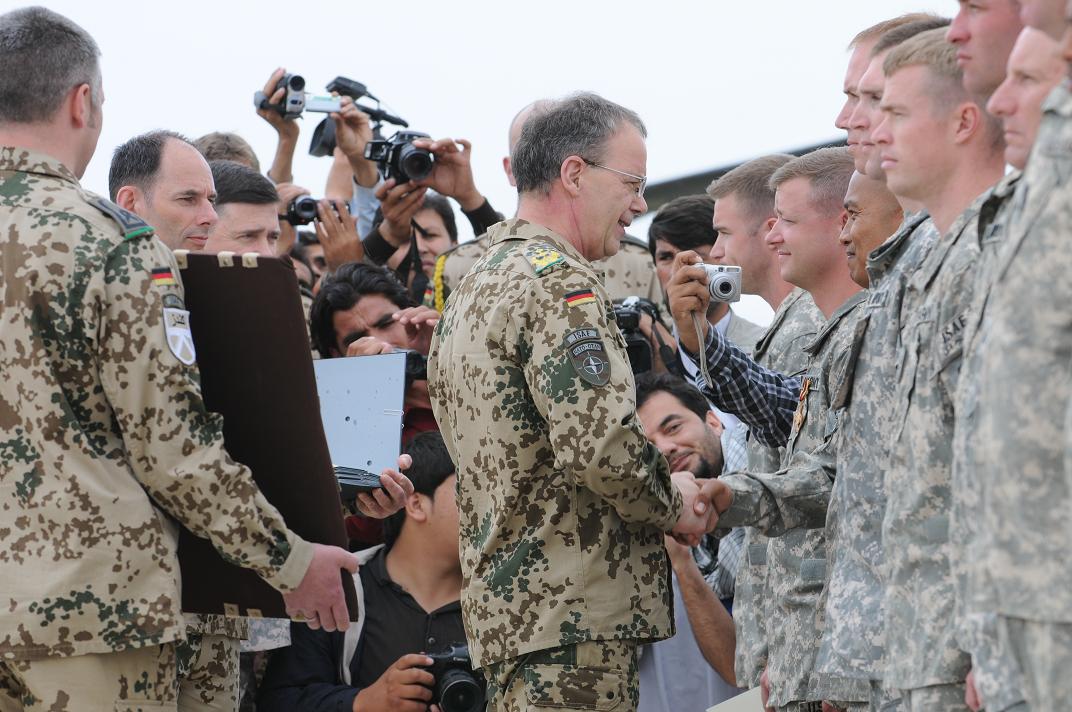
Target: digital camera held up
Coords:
[(723, 282), (398, 158), (301, 210), (293, 103), (457, 687)]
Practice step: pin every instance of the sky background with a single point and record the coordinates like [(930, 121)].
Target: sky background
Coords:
[(715, 82)]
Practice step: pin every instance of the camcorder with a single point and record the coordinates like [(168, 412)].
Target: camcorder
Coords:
[(398, 158), (627, 314), (323, 142), (458, 688), (301, 210), (723, 282)]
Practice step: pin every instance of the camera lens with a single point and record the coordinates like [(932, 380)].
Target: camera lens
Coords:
[(459, 692), (416, 163), (724, 287), (296, 82)]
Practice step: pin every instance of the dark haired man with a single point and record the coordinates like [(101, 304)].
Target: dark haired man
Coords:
[(246, 206), (409, 588)]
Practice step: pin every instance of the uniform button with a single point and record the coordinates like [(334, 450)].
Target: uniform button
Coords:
[(610, 695), (431, 641)]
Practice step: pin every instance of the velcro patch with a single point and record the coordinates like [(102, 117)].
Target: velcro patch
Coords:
[(163, 277), (581, 296), (588, 356), (180, 340), (543, 258)]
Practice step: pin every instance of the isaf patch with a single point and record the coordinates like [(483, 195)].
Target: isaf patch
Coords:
[(180, 339), (543, 258), (588, 356)]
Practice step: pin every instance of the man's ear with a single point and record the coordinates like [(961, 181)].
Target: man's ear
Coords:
[(969, 122), (127, 198), (713, 422), (843, 218), (570, 174), (417, 507), (80, 106)]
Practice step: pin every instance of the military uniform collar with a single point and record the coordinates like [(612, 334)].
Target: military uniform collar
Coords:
[(835, 319), (779, 318), (518, 229), (886, 254), (14, 158), (1059, 100)]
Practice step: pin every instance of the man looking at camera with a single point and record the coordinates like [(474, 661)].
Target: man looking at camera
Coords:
[(563, 501)]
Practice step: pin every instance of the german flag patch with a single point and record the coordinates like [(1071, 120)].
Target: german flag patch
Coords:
[(581, 296), (163, 277)]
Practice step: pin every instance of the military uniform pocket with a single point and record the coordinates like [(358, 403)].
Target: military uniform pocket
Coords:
[(573, 688)]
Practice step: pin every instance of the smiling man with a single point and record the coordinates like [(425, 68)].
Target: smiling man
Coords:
[(563, 502), (160, 177), (873, 214)]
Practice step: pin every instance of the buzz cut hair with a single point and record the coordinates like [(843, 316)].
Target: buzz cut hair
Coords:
[(903, 33), (750, 183), (930, 49), (238, 183), (227, 146), (581, 124), (876, 31), (137, 162), (828, 171), (44, 56)]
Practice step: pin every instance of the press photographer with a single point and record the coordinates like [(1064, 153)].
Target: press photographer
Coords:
[(409, 588)]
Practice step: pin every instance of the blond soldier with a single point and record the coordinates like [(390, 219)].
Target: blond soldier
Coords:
[(101, 420), (563, 501)]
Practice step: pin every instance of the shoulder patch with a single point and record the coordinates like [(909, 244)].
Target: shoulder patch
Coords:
[(588, 356), (130, 224), (543, 258)]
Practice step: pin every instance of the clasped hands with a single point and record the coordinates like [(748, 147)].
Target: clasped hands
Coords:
[(703, 501)]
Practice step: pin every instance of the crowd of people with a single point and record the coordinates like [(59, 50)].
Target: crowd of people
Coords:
[(614, 491)]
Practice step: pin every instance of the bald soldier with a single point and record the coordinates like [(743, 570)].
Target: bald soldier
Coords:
[(563, 501), (627, 273), (104, 436)]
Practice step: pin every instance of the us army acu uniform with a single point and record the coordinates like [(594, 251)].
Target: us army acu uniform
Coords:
[(790, 504), (1025, 339), (853, 637), (997, 676), (923, 658), (563, 501), (104, 436), (628, 273)]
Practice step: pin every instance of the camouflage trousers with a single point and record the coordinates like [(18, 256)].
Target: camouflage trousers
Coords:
[(935, 698), (135, 680), (883, 700), (1044, 653), (208, 673), (594, 675)]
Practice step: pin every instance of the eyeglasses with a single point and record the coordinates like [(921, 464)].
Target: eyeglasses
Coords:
[(639, 183)]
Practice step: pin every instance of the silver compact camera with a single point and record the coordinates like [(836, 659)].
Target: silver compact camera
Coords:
[(723, 282)]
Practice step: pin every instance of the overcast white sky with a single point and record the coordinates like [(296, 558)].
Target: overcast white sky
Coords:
[(715, 81)]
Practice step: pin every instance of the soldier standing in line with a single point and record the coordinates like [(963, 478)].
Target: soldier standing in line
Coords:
[(563, 501), (102, 428)]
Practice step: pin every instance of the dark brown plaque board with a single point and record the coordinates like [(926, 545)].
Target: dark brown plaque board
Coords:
[(257, 372)]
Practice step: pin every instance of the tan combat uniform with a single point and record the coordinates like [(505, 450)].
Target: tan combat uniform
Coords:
[(563, 501), (104, 435)]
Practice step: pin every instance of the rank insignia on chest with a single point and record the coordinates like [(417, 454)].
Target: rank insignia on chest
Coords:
[(802, 406), (581, 296), (543, 259), (588, 356), (163, 277)]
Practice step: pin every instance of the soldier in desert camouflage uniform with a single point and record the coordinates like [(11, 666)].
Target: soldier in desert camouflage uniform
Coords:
[(101, 417), (563, 501)]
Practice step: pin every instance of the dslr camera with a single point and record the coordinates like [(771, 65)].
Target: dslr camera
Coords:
[(627, 313), (457, 687), (301, 210), (723, 282), (398, 158)]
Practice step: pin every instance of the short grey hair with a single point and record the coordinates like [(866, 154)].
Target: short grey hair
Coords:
[(44, 55), (578, 125)]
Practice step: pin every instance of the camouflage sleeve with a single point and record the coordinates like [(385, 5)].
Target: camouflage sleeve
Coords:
[(796, 496), (997, 675), (176, 445), (578, 373)]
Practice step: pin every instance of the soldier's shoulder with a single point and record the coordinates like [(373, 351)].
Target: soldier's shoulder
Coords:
[(634, 245), (128, 225), (472, 250)]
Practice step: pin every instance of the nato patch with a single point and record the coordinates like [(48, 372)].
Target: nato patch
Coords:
[(543, 258), (588, 356)]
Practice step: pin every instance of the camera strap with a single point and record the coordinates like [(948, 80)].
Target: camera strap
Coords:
[(702, 356)]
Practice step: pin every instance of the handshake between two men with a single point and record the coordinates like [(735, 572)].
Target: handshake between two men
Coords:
[(702, 501)]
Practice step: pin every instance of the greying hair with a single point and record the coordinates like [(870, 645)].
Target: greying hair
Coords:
[(44, 55), (876, 31), (828, 170), (903, 33), (578, 125), (750, 183), (137, 162)]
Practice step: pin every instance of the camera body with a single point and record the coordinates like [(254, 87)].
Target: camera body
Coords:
[(301, 210), (293, 103), (416, 366), (398, 158), (458, 688), (627, 314), (723, 282)]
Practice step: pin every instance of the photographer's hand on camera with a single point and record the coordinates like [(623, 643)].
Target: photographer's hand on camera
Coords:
[(648, 327), (352, 132), (337, 233), (282, 170), (452, 173), (420, 323), (392, 497), (399, 204), (405, 686), (688, 294), (287, 233)]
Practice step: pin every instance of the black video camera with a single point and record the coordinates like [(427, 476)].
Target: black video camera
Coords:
[(323, 142), (416, 366), (398, 158), (301, 210), (293, 100), (458, 688)]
